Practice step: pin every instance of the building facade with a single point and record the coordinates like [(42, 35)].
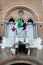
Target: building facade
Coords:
[(27, 10)]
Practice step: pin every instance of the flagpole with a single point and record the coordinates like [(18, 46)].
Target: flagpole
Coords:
[(20, 17), (25, 35)]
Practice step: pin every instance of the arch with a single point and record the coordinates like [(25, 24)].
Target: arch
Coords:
[(27, 60), (30, 20), (33, 10), (20, 64), (11, 20)]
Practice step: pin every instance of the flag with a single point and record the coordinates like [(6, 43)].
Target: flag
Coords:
[(13, 28), (20, 23), (24, 26)]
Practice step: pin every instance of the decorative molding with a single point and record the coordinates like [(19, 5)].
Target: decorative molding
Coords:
[(20, 13), (30, 8)]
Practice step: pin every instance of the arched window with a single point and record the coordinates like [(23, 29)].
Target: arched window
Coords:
[(10, 33), (30, 30)]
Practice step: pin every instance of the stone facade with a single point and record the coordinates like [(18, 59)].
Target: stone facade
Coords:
[(31, 9)]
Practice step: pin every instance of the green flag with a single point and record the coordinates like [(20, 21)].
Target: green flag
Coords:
[(20, 23)]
